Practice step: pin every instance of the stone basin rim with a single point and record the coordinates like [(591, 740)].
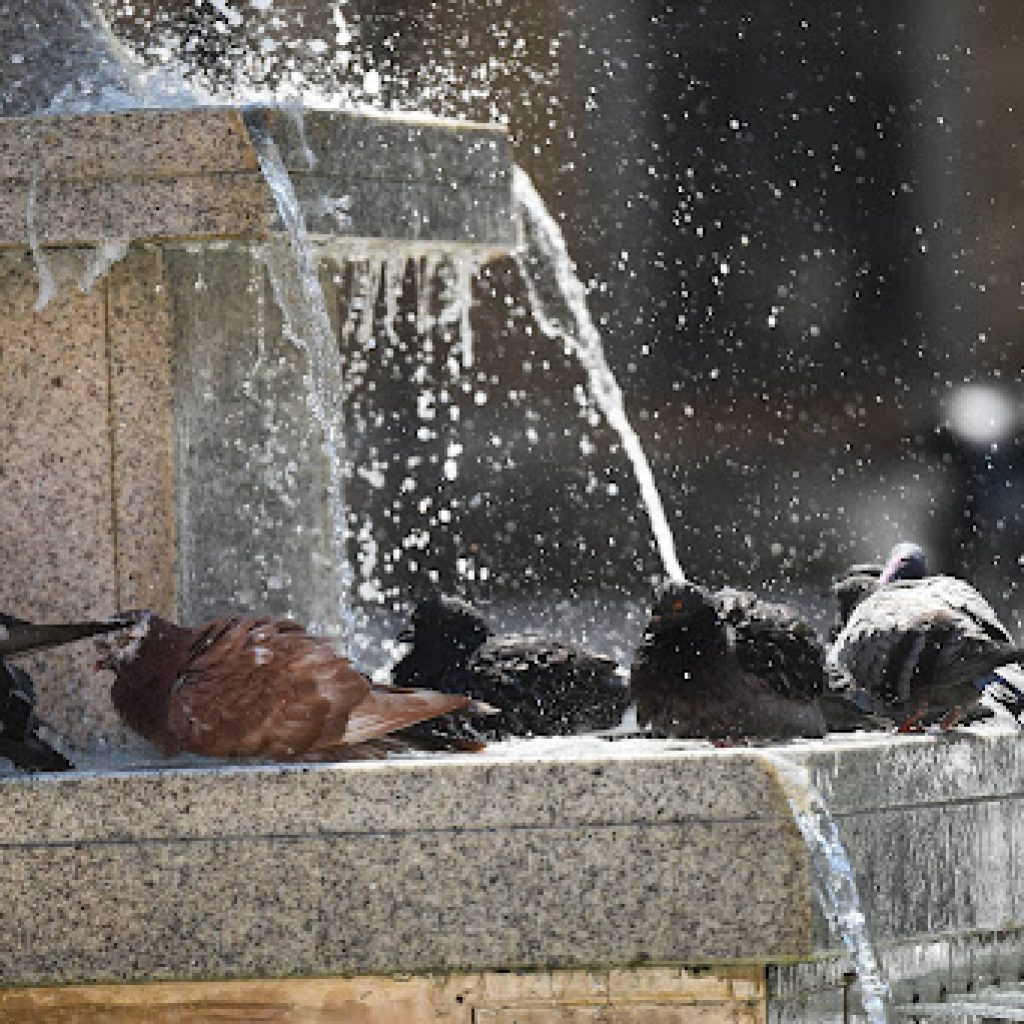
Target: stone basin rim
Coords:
[(409, 117)]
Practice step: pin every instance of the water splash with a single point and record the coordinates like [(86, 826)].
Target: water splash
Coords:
[(559, 304), (293, 269), (835, 883)]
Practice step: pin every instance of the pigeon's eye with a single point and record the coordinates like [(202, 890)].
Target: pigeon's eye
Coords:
[(677, 605)]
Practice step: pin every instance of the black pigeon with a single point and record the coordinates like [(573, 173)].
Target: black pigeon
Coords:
[(727, 666), (922, 646), (540, 687)]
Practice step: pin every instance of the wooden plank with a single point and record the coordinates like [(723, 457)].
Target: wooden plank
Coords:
[(728, 993)]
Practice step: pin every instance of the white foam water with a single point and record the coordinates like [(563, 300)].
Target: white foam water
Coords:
[(558, 301), (835, 883)]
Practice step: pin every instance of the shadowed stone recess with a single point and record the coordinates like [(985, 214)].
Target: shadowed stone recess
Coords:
[(251, 476)]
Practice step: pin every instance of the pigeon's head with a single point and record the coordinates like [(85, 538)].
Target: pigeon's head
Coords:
[(122, 646), (681, 605), (442, 621), (907, 562)]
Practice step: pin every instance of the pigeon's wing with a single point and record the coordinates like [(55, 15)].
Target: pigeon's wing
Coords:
[(907, 635), (388, 709), (255, 687), (540, 686), (772, 642), (978, 616)]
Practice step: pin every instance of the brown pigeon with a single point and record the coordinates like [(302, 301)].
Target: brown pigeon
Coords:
[(258, 687)]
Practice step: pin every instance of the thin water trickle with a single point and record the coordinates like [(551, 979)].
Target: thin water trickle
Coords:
[(558, 301), (292, 266), (835, 883)]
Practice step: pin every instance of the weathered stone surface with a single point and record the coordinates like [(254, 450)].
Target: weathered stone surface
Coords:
[(142, 431), (193, 173), (981, 968), (56, 500), (408, 866), (483, 862)]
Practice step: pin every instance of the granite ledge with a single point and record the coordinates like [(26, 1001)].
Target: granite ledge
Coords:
[(553, 854), (193, 173)]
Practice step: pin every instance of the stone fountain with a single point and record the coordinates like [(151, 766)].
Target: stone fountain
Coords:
[(135, 308), (631, 881)]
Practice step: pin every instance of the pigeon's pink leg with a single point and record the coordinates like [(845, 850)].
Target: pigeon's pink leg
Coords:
[(950, 718), (913, 723)]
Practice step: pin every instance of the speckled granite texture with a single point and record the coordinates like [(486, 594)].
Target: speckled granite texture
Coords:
[(491, 861), (403, 866), (85, 414), (192, 173)]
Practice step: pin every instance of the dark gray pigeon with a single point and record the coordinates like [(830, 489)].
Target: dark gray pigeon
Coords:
[(540, 687), (922, 646), (728, 665)]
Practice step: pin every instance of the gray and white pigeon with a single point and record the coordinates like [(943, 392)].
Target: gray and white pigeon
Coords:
[(920, 646), (727, 665)]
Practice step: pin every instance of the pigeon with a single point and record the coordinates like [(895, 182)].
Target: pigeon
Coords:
[(918, 646), (540, 687), (728, 666), (20, 741), (257, 687)]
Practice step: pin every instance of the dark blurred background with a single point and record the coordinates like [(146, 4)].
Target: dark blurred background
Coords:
[(798, 222)]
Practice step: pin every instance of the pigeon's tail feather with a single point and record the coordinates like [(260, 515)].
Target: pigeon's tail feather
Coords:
[(386, 710), (1005, 686), (17, 636), (33, 754), (851, 711), (977, 666)]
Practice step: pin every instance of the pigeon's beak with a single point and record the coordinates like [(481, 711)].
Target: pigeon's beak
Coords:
[(407, 635)]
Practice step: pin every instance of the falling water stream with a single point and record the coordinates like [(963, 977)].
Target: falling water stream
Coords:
[(559, 304), (835, 883), (292, 267)]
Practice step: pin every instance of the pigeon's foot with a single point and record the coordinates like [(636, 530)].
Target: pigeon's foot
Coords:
[(950, 719), (913, 723)]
